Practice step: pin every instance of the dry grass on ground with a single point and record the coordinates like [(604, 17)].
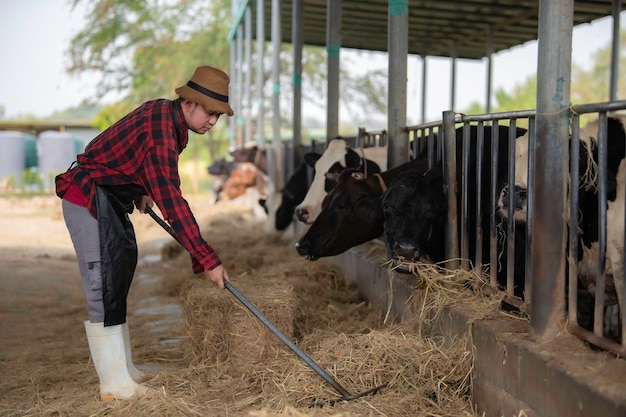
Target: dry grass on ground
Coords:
[(229, 364)]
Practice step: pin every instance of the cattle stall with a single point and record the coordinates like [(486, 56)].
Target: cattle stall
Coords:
[(509, 259), (513, 373)]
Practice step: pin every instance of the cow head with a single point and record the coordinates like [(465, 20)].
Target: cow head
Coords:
[(327, 167), (221, 167), (351, 214), (414, 209), (520, 201)]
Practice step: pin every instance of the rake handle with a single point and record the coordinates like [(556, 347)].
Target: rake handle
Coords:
[(320, 371)]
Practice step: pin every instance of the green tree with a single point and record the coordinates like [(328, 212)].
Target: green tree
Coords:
[(145, 49), (588, 86)]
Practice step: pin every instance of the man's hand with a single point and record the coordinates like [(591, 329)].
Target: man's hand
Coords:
[(217, 276), (142, 202)]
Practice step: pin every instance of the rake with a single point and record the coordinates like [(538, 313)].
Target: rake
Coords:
[(345, 395)]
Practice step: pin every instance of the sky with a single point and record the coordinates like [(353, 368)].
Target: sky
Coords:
[(35, 36)]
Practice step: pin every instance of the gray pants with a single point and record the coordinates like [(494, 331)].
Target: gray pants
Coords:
[(83, 230)]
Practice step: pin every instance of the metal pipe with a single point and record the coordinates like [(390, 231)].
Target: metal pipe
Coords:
[(398, 40), (297, 37), (550, 169), (333, 47), (617, 8), (260, 52), (451, 189)]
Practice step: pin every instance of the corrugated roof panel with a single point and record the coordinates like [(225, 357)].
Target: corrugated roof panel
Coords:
[(436, 28)]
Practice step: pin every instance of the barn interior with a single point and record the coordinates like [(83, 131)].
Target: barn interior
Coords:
[(473, 30)]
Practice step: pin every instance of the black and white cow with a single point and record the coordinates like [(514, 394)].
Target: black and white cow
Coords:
[(416, 210), (282, 204), (337, 157), (588, 226), (351, 212)]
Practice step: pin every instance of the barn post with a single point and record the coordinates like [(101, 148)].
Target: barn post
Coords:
[(232, 127), (617, 7), (333, 46), (239, 139), (275, 158), (247, 67), (424, 78), (451, 188), (550, 171), (260, 52), (297, 40), (489, 69), (398, 40)]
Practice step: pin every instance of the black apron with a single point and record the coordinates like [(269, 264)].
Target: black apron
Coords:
[(118, 247)]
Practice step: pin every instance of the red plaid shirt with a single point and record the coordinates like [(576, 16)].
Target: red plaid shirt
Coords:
[(142, 149)]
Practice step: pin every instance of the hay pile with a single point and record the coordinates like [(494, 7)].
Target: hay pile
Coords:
[(242, 367), (231, 365)]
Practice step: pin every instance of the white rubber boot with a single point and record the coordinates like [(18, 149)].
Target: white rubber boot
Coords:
[(108, 352), (136, 374)]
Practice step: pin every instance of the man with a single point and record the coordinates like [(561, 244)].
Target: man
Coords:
[(135, 161)]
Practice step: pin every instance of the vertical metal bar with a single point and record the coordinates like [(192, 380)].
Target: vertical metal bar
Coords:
[(239, 117), (432, 150), (232, 125), (453, 76), (451, 189), (424, 77), (617, 8), (480, 151), (510, 229), (493, 238), (398, 47), (260, 52), (465, 173), (622, 310), (277, 169), (489, 68), (548, 223), (572, 304), (298, 41), (598, 317), (530, 198), (333, 47), (248, 75)]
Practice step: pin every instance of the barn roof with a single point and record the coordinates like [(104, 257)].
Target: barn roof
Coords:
[(435, 26)]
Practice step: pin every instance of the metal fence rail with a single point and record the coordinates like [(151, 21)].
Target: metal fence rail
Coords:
[(431, 138)]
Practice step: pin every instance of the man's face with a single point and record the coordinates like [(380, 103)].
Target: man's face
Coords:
[(199, 120)]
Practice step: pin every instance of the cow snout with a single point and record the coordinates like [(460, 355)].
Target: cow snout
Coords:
[(303, 246), (406, 249), (302, 214), (520, 202)]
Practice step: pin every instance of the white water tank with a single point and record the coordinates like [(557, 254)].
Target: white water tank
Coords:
[(12, 159), (55, 151)]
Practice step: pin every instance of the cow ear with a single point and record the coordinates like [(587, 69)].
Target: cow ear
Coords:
[(372, 167), (311, 158), (370, 209), (433, 174), (353, 160), (358, 176)]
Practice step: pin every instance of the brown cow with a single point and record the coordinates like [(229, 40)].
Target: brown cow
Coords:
[(242, 176)]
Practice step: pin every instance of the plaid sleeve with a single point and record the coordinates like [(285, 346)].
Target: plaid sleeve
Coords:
[(161, 169)]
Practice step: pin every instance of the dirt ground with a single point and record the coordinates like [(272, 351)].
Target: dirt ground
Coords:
[(44, 356), (42, 306)]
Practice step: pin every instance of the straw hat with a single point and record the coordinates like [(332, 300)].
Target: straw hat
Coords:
[(208, 87)]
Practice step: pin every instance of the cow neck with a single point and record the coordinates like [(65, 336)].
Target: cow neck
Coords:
[(387, 176)]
